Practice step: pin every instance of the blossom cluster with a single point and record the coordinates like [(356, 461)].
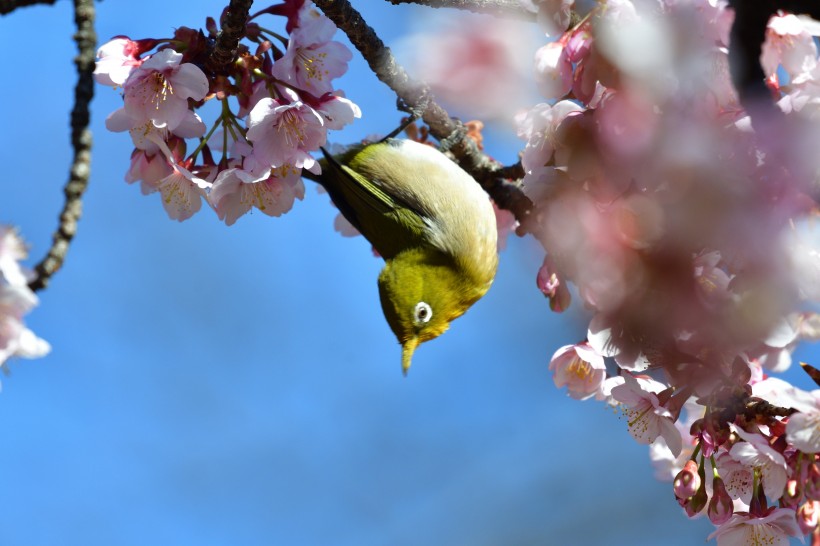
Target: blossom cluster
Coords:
[(687, 234), (16, 299), (276, 105)]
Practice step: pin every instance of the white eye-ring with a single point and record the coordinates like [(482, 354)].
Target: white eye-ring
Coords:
[(422, 313)]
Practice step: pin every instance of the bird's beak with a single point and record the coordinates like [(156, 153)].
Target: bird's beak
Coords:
[(407, 349)]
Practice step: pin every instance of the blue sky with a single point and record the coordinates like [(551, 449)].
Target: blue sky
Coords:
[(239, 386)]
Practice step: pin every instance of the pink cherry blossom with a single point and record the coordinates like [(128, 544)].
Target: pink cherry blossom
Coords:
[(149, 169), (158, 90), (16, 300), (790, 45), (744, 529), (235, 192), (312, 25), (553, 70), (648, 419), (737, 477), (803, 428), (338, 111), (486, 61), (712, 281), (116, 60), (755, 452), (310, 65), (182, 193), (665, 464), (283, 134), (580, 369), (505, 223)]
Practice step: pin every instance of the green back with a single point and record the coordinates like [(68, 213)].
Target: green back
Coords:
[(390, 223)]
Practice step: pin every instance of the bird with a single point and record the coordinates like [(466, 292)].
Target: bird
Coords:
[(430, 221)]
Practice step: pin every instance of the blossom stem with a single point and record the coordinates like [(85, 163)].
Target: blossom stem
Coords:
[(204, 140), (273, 34)]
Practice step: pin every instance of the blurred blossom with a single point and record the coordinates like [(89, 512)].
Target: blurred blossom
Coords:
[(553, 15), (476, 65), (688, 233), (16, 300)]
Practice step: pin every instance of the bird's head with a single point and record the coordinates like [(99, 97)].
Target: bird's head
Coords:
[(422, 290)]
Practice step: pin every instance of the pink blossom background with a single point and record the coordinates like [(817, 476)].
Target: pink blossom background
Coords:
[(215, 385)]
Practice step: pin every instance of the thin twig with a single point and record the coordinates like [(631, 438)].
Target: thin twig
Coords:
[(86, 38), (415, 94), (505, 8), (7, 6), (227, 41)]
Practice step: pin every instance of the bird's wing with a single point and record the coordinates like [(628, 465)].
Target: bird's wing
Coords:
[(389, 222)]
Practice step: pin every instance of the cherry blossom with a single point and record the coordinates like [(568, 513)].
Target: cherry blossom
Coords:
[(148, 169), (16, 300), (158, 90), (235, 192), (310, 65), (182, 193), (756, 452), (338, 111), (116, 60), (803, 428), (743, 529), (648, 419), (285, 133), (580, 369)]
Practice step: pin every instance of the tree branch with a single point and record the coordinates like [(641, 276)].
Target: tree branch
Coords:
[(7, 6), (506, 8), (227, 41), (418, 98), (86, 38)]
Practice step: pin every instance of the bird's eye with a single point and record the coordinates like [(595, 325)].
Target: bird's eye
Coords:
[(422, 314)]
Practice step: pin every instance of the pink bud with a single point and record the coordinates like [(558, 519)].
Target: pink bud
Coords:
[(721, 506), (552, 286), (812, 483), (808, 516), (687, 482), (792, 494)]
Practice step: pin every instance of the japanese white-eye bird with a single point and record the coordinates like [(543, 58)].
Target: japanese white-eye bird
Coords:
[(430, 221)]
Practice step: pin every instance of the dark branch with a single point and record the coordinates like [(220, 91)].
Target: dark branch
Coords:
[(86, 38), (506, 8), (7, 6), (417, 96), (745, 45), (227, 41)]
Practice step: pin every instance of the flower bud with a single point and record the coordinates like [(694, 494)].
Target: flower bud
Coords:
[(694, 505), (792, 494), (808, 516), (687, 482), (721, 506), (812, 483)]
